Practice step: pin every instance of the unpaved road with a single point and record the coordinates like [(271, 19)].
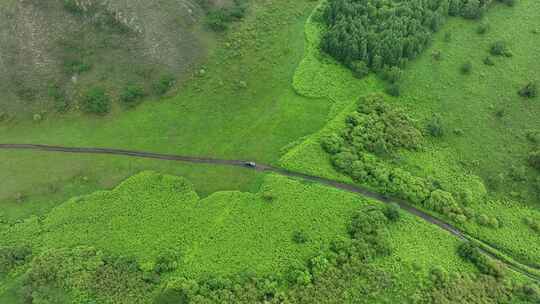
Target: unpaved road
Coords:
[(522, 268)]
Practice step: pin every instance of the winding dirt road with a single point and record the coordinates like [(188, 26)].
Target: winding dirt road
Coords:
[(528, 270)]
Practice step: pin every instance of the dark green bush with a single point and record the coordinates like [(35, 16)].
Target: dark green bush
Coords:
[(300, 237), (435, 127), (132, 94), (163, 84), (534, 159), (95, 101), (529, 91), (466, 68), (499, 48), (392, 212)]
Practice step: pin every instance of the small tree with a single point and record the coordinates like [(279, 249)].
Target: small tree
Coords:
[(95, 101), (392, 212), (466, 68), (529, 91)]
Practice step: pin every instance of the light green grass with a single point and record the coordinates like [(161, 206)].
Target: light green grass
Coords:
[(468, 102)]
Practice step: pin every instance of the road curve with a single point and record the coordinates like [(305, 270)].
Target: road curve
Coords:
[(519, 267)]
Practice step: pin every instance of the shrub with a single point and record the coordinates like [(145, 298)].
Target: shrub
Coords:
[(392, 212), (529, 91), (466, 68), (435, 126), (95, 101), (163, 84), (499, 48), (332, 143), (131, 94), (534, 159), (300, 237), (473, 9)]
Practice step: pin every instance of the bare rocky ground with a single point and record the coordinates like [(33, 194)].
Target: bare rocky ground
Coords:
[(95, 42)]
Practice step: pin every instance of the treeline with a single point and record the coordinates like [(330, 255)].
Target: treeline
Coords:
[(377, 34), (377, 130)]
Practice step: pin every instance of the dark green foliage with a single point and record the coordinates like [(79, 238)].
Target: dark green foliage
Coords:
[(499, 48), (219, 19), (534, 159), (529, 91), (380, 33), (466, 68), (332, 143), (166, 261), (300, 237), (131, 94), (472, 253), (95, 101), (11, 257), (163, 84), (508, 2), (392, 212), (473, 9), (435, 127)]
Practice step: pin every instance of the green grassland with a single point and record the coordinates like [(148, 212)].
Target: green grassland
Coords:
[(240, 104), (230, 232), (488, 146)]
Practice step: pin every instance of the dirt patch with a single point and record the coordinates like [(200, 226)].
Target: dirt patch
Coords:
[(73, 46)]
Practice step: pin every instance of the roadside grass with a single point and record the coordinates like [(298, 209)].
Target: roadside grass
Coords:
[(489, 145), (231, 232), (240, 104)]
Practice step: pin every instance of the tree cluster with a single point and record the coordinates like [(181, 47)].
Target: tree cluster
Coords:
[(485, 265)]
